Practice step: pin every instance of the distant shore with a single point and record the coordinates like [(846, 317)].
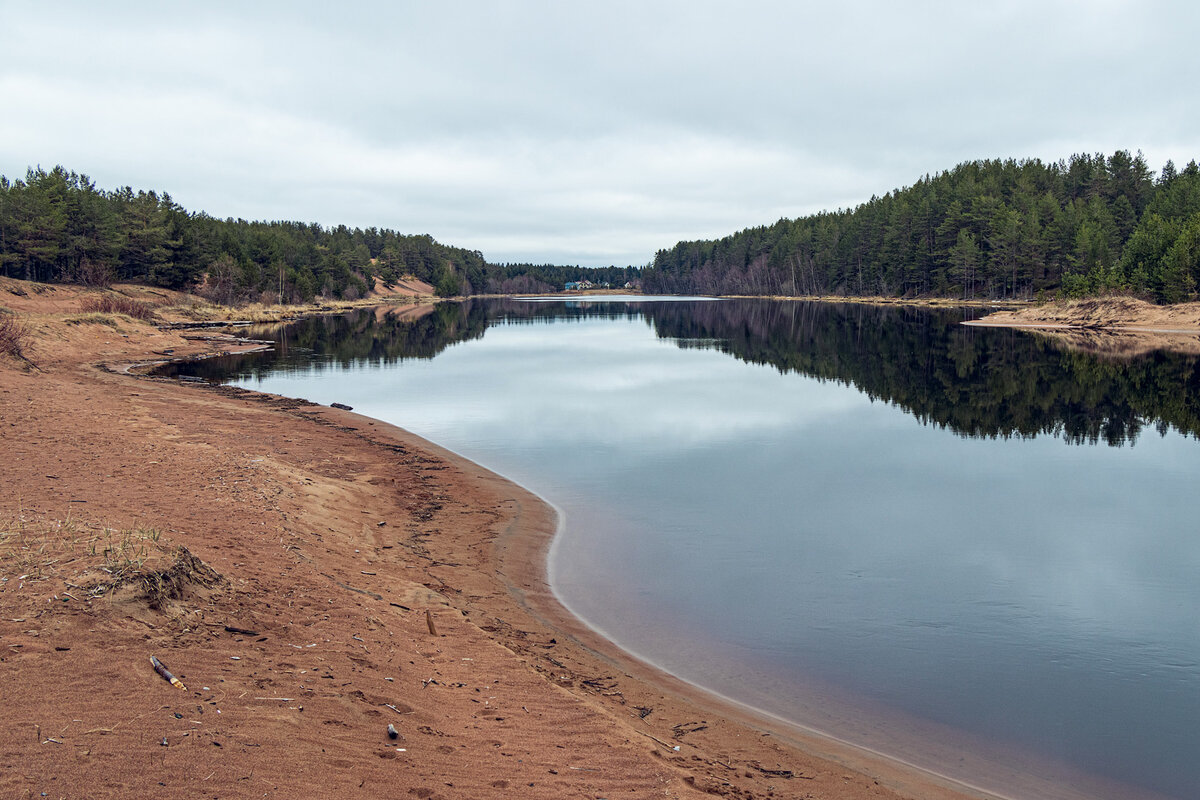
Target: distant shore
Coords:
[(881, 300), (1119, 327)]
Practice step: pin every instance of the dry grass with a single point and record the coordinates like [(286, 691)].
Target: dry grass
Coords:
[(31, 549), (124, 551), (26, 552), (257, 312), (117, 304), (75, 560), (194, 309), (95, 318), (14, 336), (203, 311), (200, 310), (34, 550)]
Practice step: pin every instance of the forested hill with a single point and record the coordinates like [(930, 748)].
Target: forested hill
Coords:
[(985, 229), (57, 226)]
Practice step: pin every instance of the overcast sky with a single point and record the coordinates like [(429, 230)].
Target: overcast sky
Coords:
[(576, 133)]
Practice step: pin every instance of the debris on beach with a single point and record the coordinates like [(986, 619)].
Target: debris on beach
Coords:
[(166, 674), (241, 631)]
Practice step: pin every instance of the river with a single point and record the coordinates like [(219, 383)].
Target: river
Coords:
[(963, 547)]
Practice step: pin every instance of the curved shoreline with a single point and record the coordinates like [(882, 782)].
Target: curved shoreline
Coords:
[(522, 559), (519, 557), (474, 556), (1114, 313)]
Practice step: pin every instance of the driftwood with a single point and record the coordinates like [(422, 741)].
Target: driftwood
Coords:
[(429, 622), (243, 631), (781, 773), (348, 587), (180, 326), (166, 673), (342, 406)]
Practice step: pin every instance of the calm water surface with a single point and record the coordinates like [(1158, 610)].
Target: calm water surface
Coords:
[(963, 547)]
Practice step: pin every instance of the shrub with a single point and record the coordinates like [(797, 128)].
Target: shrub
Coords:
[(93, 273), (13, 336), (117, 304)]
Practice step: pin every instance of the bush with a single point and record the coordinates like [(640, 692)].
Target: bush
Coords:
[(96, 274), (13, 336), (1075, 285), (220, 282), (117, 304), (448, 286)]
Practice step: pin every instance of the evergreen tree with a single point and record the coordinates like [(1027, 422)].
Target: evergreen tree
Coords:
[(1181, 264), (965, 260)]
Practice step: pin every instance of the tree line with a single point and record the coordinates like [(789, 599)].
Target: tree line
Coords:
[(985, 229), (57, 226)]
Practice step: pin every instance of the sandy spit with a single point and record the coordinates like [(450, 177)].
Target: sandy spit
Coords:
[(1113, 327)]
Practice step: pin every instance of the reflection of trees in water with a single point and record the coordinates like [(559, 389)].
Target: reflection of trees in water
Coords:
[(976, 382)]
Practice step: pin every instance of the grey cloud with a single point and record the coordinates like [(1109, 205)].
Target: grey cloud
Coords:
[(548, 131)]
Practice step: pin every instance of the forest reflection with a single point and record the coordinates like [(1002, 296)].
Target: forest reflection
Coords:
[(977, 382)]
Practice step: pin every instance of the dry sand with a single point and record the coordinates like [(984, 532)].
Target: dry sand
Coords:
[(340, 575), (1117, 327)]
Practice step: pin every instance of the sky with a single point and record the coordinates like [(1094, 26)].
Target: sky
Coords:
[(571, 133)]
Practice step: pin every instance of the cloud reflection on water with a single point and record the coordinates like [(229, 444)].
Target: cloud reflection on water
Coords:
[(1019, 587)]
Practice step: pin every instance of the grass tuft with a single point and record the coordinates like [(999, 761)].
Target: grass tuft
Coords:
[(93, 318), (39, 549), (117, 304), (14, 336), (124, 552), (50, 557)]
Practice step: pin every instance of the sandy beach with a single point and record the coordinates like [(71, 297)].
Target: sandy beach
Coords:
[(312, 577), (1115, 327)]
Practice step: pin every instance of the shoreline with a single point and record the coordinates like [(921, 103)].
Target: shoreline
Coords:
[(521, 557), (1108, 327), (533, 588), (880, 300), (483, 577), (523, 547), (345, 575)]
